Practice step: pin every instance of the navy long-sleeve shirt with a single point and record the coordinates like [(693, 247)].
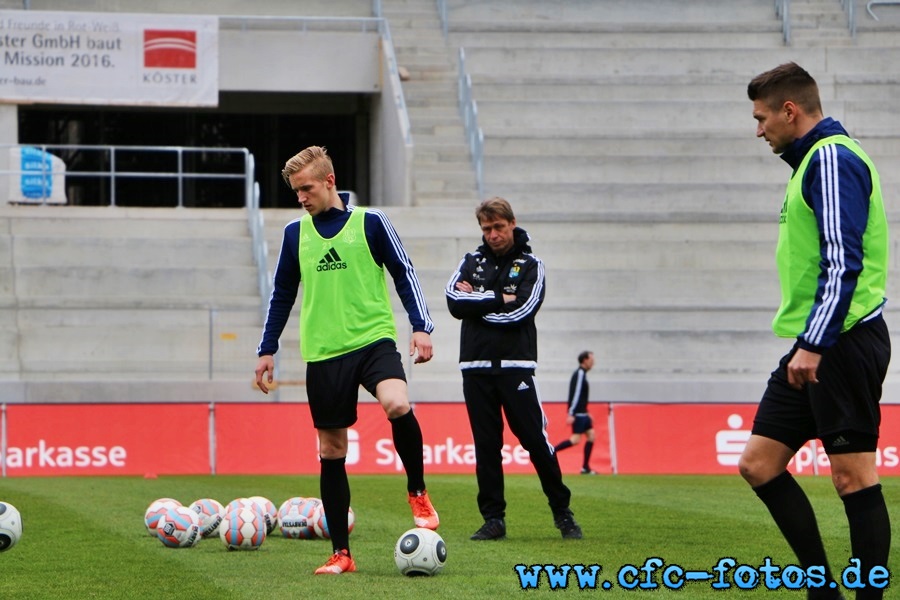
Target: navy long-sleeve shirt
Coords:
[(838, 193)]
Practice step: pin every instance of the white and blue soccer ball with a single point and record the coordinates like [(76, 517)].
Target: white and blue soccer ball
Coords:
[(296, 517), (270, 513), (320, 523), (179, 527), (244, 525), (155, 511), (211, 513), (10, 526), (419, 552)]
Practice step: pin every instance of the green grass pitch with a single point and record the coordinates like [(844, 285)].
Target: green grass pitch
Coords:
[(84, 538)]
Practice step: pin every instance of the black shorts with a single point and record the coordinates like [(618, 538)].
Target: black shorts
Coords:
[(582, 423), (843, 408), (332, 386)]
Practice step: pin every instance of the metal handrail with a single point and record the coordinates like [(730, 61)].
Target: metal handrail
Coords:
[(112, 173), (848, 6), (469, 111), (442, 13), (255, 222), (875, 2), (384, 31), (783, 11)]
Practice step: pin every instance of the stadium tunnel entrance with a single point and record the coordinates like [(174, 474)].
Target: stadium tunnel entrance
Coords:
[(273, 126)]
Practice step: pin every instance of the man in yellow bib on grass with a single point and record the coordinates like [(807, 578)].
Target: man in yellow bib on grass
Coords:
[(832, 258), (347, 333)]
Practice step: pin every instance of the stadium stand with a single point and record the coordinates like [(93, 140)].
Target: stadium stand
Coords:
[(622, 136)]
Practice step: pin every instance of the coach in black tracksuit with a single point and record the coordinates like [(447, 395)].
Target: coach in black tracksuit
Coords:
[(496, 291)]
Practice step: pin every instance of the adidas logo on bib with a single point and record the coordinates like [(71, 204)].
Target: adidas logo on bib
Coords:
[(331, 261)]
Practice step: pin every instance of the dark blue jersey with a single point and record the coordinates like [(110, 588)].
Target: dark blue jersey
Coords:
[(578, 393)]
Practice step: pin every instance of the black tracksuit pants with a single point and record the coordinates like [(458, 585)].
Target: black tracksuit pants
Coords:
[(516, 393)]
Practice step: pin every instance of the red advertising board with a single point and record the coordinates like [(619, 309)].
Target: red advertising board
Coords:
[(709, 438), (280, 438), (272, 438), (107, 439)]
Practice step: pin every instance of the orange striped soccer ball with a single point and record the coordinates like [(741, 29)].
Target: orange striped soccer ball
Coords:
[(178, 527), (244, 526)]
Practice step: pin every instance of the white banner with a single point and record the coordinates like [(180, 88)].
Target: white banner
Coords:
[(109, 58)]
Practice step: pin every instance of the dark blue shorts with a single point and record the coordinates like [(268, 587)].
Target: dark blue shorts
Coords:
[(582, 423), (332, 386)]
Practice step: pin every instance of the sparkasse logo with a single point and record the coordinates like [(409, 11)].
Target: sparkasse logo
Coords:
[(170, 49)]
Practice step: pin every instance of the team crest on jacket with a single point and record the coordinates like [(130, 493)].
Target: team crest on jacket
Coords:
[(514, 271)]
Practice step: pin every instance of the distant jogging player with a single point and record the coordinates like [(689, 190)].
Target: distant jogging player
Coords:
[(832, 258), (347, 333), (578, 416)]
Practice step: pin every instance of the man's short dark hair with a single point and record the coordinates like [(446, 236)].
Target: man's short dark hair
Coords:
[(786, 82), (584, 356)]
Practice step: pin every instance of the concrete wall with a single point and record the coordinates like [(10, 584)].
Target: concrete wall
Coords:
[(310, 61)]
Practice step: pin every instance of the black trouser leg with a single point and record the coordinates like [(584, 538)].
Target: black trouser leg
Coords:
[(526, 418), (487, 433)]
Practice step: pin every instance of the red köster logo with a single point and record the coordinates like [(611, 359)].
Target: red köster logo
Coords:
[(170, 49)]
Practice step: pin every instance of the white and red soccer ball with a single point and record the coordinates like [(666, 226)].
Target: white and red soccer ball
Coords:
[(178, 527), (269, 512), (296, 517), (211, 513), (320, 523), (244, 525), (155, 511)]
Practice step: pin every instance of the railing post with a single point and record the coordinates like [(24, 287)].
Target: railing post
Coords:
[(212, 319), (212, 438), (3, 439), (180, 153), (112, 175)]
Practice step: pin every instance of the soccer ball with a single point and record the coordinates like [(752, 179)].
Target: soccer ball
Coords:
[(211, 513), (420, 551), (269, 512), (320, 523), (244, 526), (295, 517), (155, 511), (179, 527), (10, 526)]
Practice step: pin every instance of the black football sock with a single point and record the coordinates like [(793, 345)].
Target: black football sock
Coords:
[(335, 490), (870, 533), (588, 448), (563, 446), (792, 512), (408, 444)]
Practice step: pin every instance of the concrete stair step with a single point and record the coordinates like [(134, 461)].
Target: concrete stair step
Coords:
[(34, 250), (215, 284), (452, 186), (561, 62), (618, 12), (635, 169), (766, 34), (124, 222)]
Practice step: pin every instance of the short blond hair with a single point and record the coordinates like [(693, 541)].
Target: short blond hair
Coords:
[(314, 156)]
